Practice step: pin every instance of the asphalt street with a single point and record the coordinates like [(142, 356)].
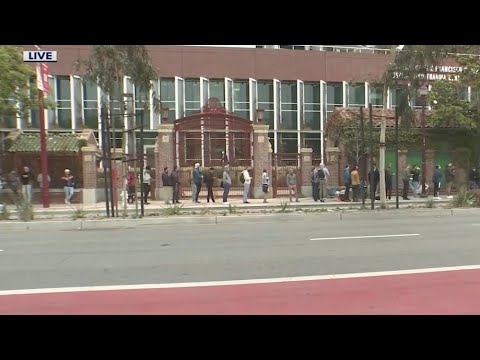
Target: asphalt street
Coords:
[(262, 248)]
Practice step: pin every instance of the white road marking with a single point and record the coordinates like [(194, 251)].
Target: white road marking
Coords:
[(364, 237), (235, 282)]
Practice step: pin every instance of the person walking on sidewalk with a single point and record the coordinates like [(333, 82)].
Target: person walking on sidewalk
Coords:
[(315, 182), (175, 180), (347, 181), (322, 175), (227, 182), (292, 184), (168, 186), (68, 186), (26, 178), (265, 185), (450, 179), (407, 177)]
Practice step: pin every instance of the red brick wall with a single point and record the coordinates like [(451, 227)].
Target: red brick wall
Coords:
[(164, 151)]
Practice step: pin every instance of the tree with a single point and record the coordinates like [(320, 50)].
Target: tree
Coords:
[(107, 66), (408, 67), (16, 96)]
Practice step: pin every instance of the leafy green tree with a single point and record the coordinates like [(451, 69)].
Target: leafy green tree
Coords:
[(15, 78)]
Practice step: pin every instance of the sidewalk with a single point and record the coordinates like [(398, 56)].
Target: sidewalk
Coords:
[(99, 209)]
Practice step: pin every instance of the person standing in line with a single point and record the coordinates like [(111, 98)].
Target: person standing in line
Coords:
[(26, 178), (247, 180), (175, 181), (167, 184), (292, 185), (209, 182), (315, 182), (437, 178), (227, 182), (322, 177), (265, 185), (450, 179), (68, 186), (197, 179), (147, 183), (407, 176), (347, 181), (415, 180), (130, 185), (355, 181), (388, 181)]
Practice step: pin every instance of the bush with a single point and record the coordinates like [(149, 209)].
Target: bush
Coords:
[(465, 198)]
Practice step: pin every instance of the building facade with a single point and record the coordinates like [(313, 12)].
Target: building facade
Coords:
[(297, 90)]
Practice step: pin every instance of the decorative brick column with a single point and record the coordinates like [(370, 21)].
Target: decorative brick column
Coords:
[(261, 145), (306, 188), (164, 156), (430, 167), (333, 157), (89, 191)]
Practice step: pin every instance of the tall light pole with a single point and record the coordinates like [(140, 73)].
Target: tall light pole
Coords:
[(42, 86), (423, 92)]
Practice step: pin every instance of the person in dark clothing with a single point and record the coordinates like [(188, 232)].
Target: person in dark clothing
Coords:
[(26, 178), (407, 178), (315, 183), (209, 182), (167, 184), (388, 182), (376, 180), (347, 182), (437, 178), (415, 180), (474, 178), (175, 181), (197, 180)]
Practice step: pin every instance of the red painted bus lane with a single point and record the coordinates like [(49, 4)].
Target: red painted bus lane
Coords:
[(451, 292)]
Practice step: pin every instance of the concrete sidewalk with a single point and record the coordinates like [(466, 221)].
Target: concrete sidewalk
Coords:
[(234, 205)]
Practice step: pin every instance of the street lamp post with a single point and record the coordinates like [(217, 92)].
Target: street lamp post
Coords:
[(423, 92)]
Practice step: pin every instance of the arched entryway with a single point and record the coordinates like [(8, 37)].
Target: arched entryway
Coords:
[(212, 138)]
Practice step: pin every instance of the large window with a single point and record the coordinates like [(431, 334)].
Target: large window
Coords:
[(311, 106), (217, 89), (142, 104), (64, 103), (266, 101), (241, 99), (376, 96), (288, 143), (90, 105), (288, 119), (356, 95), (311, 140), (167, 95), (192, 96), (334, 96)]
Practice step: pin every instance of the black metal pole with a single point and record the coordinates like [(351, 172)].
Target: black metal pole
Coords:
[(396, 159), (141, 157), (109, 157), (363, 166), (104, 159), (372, 175)]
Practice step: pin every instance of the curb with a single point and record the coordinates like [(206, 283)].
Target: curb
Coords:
[(117, 223)]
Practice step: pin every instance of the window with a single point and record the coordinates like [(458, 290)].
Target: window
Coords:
[(356, 95), (142, 105), (376, 96), (334, 96), (192, 96), (312, 141), (311, 106), (167, 95), (90, 105), (288, 106), (266, 101), (288, 143), (217, 90), (118, 118), (241, 99), (64, 103)]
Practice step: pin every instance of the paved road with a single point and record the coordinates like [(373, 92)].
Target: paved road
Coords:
[(360, 242)]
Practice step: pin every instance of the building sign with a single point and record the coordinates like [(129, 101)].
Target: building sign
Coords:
[(449, 73)]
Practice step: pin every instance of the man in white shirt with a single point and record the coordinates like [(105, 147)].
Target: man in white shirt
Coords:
[(246, 184)]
